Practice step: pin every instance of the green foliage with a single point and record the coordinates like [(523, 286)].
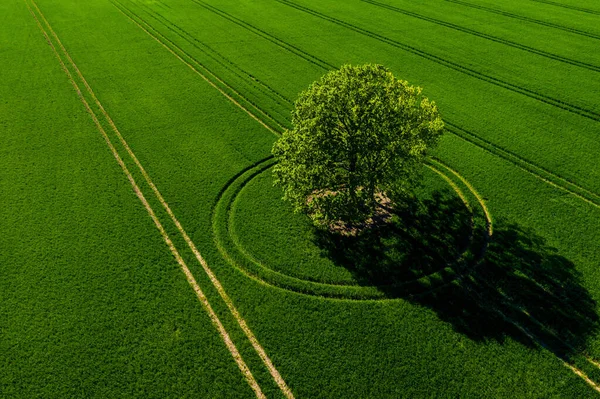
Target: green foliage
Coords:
[(92, 302), (358, 133)]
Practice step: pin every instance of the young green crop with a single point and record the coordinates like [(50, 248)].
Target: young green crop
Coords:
[(92, 302)]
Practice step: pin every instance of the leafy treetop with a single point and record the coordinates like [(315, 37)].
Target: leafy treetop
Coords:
[(359, 135)]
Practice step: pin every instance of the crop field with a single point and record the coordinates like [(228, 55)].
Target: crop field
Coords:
[(144, 251)]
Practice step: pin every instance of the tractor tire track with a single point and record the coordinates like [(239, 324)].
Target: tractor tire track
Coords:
[(519, 312), (259, 32), (537, 171), (526, 165), (223, 209), (189, 276), (173, 48), (286, 391), (569, 7), (526, 19), (213, 54), (216, 283), (575, 109), (542, 344), (492, 38)]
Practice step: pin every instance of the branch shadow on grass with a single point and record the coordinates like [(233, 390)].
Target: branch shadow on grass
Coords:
[(520, 287)]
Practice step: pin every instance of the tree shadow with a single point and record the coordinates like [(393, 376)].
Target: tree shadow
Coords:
[(519, 288), (421, 238)]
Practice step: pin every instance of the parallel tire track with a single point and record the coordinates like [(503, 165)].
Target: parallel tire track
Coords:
[(200, 67), (241, 322), (570, 7), (259, 32), (519, 312), (492, 38), (538, 341), (222, 210), (216, 283), (537, 171), (212, 53), (575, 109), (527, 19), (188, 274)]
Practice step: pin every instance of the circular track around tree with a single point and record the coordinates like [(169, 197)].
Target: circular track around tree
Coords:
[(239, 255)]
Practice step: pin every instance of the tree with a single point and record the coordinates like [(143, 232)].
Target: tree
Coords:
[(359, 136)]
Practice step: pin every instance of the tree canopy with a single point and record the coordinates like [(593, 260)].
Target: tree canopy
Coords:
[(359, 135)]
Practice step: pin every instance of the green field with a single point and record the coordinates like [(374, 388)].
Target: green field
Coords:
[(144, 251)]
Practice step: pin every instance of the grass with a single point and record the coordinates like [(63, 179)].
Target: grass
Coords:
[(86, 309), (309, 260), (92, 301)]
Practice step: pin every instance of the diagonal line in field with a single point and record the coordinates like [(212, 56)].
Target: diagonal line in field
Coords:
[(483, 35), (570, 7), (208, 51), (265, 35), (569, 364), (189, 276), (526, 19), (533, 338), (234, 101), (555, 102), (539, 172), (526, 165), (507, 302), (520, 162), (488, 215), (216, 283)]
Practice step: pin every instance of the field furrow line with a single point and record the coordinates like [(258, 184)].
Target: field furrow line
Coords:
[(568, 6), (506, 301), (212, 53), (216, 283), (528, 166), (259, 32), (580, 373), (486, 36), (189, 276), (154, 36), (526, 19), (539, 172), (575, 109), (504, 315), (163, 5)]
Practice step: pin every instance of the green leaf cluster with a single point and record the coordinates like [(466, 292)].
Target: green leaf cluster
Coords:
[(359, 134)]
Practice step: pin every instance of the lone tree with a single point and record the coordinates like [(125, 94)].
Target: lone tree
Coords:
[(359, 137)]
